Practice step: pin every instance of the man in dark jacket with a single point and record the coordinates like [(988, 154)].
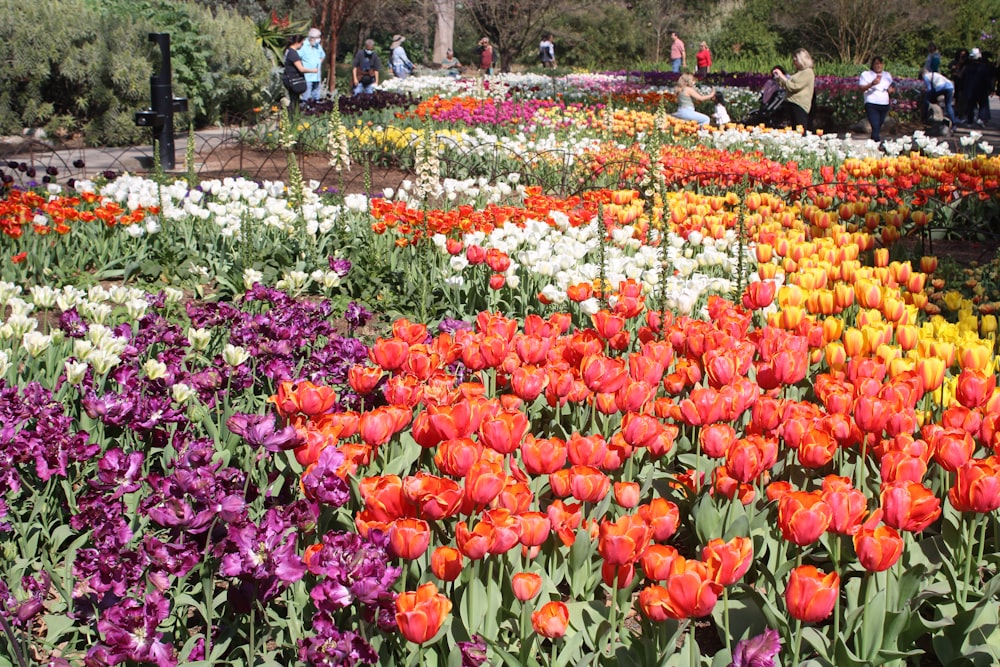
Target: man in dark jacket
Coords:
[(978, 81)]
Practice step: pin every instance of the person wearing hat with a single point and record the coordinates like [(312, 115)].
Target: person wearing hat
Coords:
[(312, 55), (977, 82), (398, 60)]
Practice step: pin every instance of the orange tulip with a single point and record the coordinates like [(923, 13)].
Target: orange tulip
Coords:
[(689, 592), (973, 387), (543, 456), (484, 482), (421, 614), (878, 547), (446, 563), (847, 504), (624, 540), (551, 620), (304, 398), (811, 594), (503, 432), (588, 484), (409, 538), (526, 585), (803, 517), (662, 515)]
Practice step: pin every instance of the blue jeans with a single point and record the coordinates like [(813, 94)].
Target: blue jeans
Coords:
[(688, 113), (949, 111), (876, 116), (312, 92), (675, 64), (401, 71), (362, 88)]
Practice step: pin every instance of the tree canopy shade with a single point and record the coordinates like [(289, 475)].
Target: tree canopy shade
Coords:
[(514, 25), (333, 14)]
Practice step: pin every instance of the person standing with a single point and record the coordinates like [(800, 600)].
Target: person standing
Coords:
[(799, 86), (365, 69), (485, 51), (398, 60), (703, 59), (933, 61), (312, 55), (293, 65), (547, 51), (678, 56), (978, 83), (876, 84)]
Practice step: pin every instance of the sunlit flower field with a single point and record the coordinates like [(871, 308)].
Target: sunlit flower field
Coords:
[(593, 387)]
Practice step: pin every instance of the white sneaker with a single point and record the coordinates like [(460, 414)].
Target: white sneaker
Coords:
[(979, 122)]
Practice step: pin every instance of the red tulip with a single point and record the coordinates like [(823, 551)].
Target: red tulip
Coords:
[(588, 484), (909, 506), (662, 515), (977, 486), (456, 457), (503, 433), (304, 398), (627, 494), (526, 585), (586, 451), (973, 388), (390, 353), (432, 497), (421, 614), (716, 439), (811, 594), (533, 528), (551, 620), (565, 519)]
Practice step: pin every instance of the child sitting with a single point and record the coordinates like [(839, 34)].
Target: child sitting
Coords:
[(721, 116)]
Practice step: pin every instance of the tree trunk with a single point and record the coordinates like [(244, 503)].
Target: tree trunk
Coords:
[(333, 15), (444, 33)]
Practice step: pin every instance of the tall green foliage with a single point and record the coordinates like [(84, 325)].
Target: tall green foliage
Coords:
[(86, 64)]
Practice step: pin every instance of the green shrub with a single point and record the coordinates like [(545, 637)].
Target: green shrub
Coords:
[(91, 60)]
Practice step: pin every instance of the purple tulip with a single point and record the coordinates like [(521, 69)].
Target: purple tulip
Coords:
[(321, 481), (259, 431), (759, 651)]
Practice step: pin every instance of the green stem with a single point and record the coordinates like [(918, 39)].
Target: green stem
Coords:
[(796, 642), (613, 618), (725, 620), (15, 647), (835, 553), (970, 533)]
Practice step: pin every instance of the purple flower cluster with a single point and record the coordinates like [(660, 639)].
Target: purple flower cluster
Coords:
[(290, 339), (350, 570), (162, 502), (34, 427)]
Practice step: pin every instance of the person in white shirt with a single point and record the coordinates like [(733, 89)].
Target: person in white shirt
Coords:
[(876, 84), (721, 115), (937, 85)]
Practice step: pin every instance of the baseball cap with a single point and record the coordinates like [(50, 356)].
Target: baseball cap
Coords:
[(314, 32), (975, 54)]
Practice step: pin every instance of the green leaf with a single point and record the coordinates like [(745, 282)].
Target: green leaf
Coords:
[(873, 625)]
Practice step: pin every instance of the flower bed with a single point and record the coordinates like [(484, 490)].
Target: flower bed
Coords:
[(706, 386)]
